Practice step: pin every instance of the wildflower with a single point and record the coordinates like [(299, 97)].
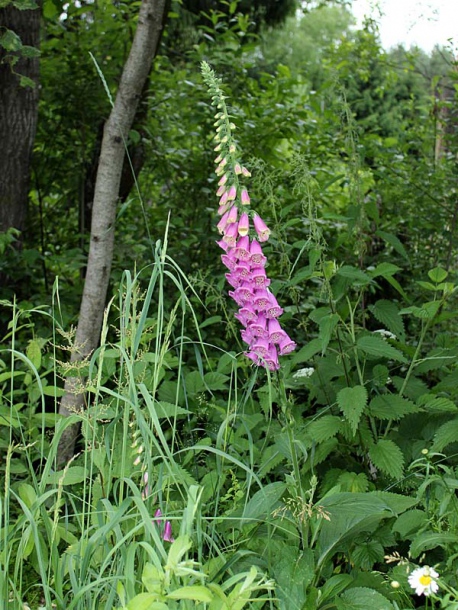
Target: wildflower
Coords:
[(244, 225), (167, 531), (244, 197), (232, 193), (307, 372), (423, 581), (261, 228), (238, 168)]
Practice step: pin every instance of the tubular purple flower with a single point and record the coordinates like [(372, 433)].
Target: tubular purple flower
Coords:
[(259, 278), (247, 313), (222, 181), (237, 298), (237, 168), (259, 326), (244, 292), (256, 255), (260, 346), (223, 245), (273, 310), (244, 197), (253, 356), (271, 359), (233, 213), (229, 260), (262, 299), (244, 270), (167, 533), (242, 249), (220, 191), (234, 279), (224, 198), (245, 172), (232, 193), (247, 335), (231, 234), (276, 333), (218, 159), (224, 208), (286, 346), (223, 222), (244, 224), (261, 228)]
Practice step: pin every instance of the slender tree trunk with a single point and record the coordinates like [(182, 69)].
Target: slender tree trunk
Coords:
[(18, 116), (135, 73)]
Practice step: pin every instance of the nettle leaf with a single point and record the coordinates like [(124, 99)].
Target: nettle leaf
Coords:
[(446, 434), (393, 241), (352, 402), (350, 481), (366, 554), (262, 503), (391, 406), (216, 381), (440, 404), (362, 598), (385, 270), (387, 313), (379, 348), (308, 351), (352, 273), (327, 326), (325, 427), (387, 457)]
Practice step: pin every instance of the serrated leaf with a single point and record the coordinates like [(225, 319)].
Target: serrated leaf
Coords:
[(194, 383), (353, 273), (391, 406), (377, 347), (387, 313), (387, 457), (350, 481), (385, 270), (446, 434), (308, 351), (325, 427), (167, 409), (10, 41), (327, 326), (352, 402), (216, 381), (362, 598), (367, 553), (441, 405)]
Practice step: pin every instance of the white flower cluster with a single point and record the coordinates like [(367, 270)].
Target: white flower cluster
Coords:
[(386, 334), (307, 372)]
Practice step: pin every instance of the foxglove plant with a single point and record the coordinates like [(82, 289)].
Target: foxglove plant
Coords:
[(243, 231)]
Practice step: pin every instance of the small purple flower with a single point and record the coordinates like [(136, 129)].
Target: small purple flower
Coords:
[(276, 333), (244, 224), (167, 532), (244, 197), (231, 234), (287, 346), (256, 255)]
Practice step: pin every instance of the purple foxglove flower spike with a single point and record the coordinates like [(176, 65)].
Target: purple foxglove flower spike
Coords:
[(256, 255), (244, 225), (244, 197), (232, 194), (231, 234), (167, 533)]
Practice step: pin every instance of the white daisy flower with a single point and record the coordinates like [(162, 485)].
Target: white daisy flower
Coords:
[(423, 580)]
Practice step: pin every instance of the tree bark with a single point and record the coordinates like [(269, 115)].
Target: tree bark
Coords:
[(135, 73), (18, 117)]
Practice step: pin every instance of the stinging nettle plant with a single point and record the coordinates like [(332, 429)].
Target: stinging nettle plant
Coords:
[(258, 308)]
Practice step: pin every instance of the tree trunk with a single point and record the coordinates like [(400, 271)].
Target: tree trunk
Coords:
[(18, 116), (135, 73)]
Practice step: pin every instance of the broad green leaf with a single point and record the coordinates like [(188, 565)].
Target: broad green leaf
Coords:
[(351, 481), (410, 522), (216, 381), (194, 383), (353, 273), (391, 406), (446, 434), (197, 593), (327, 326), (387, 313), (396, 502), (441, 404), (367, 553), (349, 514), (70, 476), (307, 352), (430, 540), (352, 402), (335, 585), (262, 503), (34, 352), (146, 601), (177, 551), (379, 348), (10, 41), (363, 598), (384, 270), (437, 275), (324, 427), (387, 457), (293, 573), (27, 494)]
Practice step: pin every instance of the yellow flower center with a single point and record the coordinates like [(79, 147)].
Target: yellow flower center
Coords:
[(425, 580)]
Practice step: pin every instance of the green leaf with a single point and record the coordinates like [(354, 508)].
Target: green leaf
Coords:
[(437, 275), (197, 593), (307, 352), (378, 347), (391, 406), (353, 273), (410, 522), (367, 553), (430, 540), (262, 502), (34, 352), (384, 270), (352, 402), (363, 598), (327, 326), (387, 457), (441, 405), (27, 494), (146, 601), (394, 242), (216, 381), (167, 409), (70, 476), (10, 41), (324, 427), (194, 383), (350, 481), (446, 434), (335, 585), (293, 574), (387, 313)]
